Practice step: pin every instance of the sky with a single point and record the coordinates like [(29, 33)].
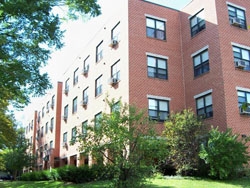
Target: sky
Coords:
[(76, 37)]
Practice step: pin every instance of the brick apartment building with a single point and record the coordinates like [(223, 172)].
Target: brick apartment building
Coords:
[(157, 58)]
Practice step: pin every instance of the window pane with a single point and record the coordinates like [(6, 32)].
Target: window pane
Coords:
[(151, 62), (163, 106), (200, 103), (248, 97), (208, 100), (160, 25), (241, 94), (161, 63), (150, 23), (197, 60), (240, 14), (150, 32), (163, 115), (245, 54), (204, 56), (151, 72), (152, 104), (193, 21), (152, 114)]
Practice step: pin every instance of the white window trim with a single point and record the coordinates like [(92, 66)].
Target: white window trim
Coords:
[(158, 97), (236, 6), (242, 89), (203, 93), (200, 50), (156, 55), (240, 45), (155, 17)]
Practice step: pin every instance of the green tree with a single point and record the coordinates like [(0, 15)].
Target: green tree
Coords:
[(184, 134), (225, 153), (29, 32), (126, 139), (16, 157)]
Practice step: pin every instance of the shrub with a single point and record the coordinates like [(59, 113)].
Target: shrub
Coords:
[(225, 154)]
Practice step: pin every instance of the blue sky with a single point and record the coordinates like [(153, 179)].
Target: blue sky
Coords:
[(176, 4)]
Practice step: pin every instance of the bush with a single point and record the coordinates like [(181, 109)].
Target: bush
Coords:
[(225, 154)]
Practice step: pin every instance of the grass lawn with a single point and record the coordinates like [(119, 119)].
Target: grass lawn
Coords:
[(155, 183)]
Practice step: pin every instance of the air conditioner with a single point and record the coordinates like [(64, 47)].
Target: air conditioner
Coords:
[(51, 128), (64, 145), (245, 111), (240, 64), (85, 70), (84, 102), (235, 21), (66, 91), (113, 81), (113, 43), (65, 118)]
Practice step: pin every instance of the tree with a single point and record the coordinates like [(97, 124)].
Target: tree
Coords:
[(225, 153), (30, 31), (184, 134), (126, 139), (16, 157)]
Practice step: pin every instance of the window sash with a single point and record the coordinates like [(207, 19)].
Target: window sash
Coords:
[(204, 106), (158, 109), (241, 54), (234, 12), (157, 67), (156, 28), (197, 23)]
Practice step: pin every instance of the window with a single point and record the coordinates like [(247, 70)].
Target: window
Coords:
[(97, 120), (46, 147), (237, 17), (65, 137), (66, 88), (241, 58), (98, 86), (197, 23), (99, 52), (84, 128), (115, 32), (73, 134), (86, 65), (47, 107), (43, 111), (53, 101), (116, 107), (39, 117), (51, 124), (74, 106), (158, 109), (156, 28), (157, 67), (201, 63), (115, 71), (51, 144), (85, 96), (66, 111), (244, 98), (42, 131), (75, 80), (204, 106), (46, 127)]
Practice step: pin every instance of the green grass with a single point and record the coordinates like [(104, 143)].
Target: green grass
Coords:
[(155, 183)]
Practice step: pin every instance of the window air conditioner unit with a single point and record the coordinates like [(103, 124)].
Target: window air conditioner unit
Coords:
[(64, 145), (113, 43), (66, 91), (235, 21), (51, 128), (65, 118), (245, 111), (240, 64), (113, 81), (84, 102), (85, 70)]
